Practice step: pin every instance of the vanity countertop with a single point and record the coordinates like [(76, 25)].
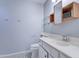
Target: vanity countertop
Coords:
[(70, 50)]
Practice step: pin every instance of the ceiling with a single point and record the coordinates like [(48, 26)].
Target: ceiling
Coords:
[(39, 1)]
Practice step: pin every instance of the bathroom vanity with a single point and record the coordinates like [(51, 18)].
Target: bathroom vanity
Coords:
[(56, 48)]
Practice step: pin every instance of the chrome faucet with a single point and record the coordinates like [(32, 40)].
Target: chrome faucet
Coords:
[(65, 38)]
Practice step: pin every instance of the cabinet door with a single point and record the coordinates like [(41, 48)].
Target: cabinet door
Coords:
[(58, 13), (42, 53)]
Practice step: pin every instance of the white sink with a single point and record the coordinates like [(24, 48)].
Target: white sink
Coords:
[(62, 43)]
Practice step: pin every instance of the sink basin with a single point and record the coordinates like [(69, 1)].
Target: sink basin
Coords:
[(62, 43)]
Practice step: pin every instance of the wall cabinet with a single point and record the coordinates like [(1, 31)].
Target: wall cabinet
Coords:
[(67, 2), (65, 14), (47, 51), (70, 12), (51, 18), (57, 15)]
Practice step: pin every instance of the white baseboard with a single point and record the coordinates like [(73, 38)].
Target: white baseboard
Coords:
[(22, 54)]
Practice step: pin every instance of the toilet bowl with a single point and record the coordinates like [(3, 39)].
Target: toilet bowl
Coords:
[(33, 52)]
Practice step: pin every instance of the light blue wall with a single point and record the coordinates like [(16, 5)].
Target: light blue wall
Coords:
[(71, 28), (23, 27)]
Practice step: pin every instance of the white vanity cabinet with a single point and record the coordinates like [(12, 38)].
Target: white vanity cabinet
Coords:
[(47, 51), (52, 51), (42, 53), (63, 55), (50, 56)]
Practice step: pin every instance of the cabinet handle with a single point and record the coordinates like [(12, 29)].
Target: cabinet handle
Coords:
[(45, 56)]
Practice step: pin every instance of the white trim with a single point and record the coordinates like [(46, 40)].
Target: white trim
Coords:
[(21, 54)]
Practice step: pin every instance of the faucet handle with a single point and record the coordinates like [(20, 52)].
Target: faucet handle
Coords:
[(65, 38)]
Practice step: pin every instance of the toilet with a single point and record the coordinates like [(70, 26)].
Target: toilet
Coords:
[(33, 52)]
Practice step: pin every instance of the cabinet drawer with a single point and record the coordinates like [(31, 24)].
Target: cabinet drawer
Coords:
[(51, 50), (62, 55), (50, 56), (41, 43)]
